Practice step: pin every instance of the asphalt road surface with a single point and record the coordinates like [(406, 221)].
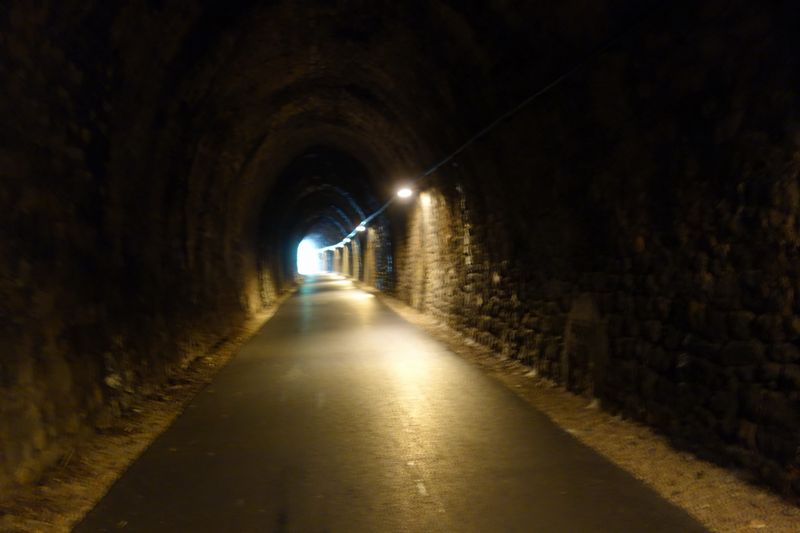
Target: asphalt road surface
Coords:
[(340, 416)]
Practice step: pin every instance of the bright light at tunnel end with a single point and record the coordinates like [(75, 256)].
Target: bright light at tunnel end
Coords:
[(308, 261)]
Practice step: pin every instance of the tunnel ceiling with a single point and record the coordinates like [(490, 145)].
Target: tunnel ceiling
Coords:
[(208, 115), (276, 81), (244, 91), (324, 193)]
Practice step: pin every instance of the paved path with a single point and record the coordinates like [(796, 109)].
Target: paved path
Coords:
[(340, 416)]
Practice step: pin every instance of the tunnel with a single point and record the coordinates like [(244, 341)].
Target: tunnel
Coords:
[(605, 193)]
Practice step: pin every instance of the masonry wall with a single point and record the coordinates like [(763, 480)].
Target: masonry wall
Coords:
[(110, 278), (633, 234)]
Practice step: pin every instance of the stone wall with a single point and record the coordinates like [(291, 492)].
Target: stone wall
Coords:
[(110, 277), (634, 234), (370, 274)]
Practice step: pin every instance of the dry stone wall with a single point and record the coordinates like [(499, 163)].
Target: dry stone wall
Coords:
[(634, 235), (106, 285), (674, 337)]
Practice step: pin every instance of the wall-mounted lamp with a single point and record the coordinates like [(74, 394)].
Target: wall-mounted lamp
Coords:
[(405, 192), (361, 227), (346, 240)]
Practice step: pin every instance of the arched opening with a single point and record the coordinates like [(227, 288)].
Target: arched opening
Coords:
[(308, 260), (321, 195)]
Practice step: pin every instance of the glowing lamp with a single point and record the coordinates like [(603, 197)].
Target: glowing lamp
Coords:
[(405, 192), (361, 227)]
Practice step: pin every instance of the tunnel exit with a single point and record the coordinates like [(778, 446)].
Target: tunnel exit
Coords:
[(308, 260)]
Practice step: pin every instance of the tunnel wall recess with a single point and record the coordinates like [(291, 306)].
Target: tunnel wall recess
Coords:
[(632, 233)]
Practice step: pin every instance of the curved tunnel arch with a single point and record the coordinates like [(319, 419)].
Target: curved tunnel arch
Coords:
[(319, 180), (157, 182)]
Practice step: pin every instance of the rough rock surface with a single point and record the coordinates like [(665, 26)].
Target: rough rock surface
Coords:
[(632, 232)]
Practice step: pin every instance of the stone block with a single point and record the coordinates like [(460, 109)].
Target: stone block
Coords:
[(640, 349), (644, 307), (769, 327), (781, 409), (753, 404), (777, 445), (745, 373), (624, 304), (700, 347), (725, 402), (652, 330), (666, 390), (626, 347), (614, 325), (785, 352), (649, 384), (770, 373), (659, 359), (552, 350), (696, 316), (792, 327), (739, 323), (773, 473), (597, 282), (630, 326), (552, 308), (717, 329), (726, 291), (663, 307), (790, 377), (672, 337), (608, 303), (736, 353), (548, 325), (686, 398), (690, 369)]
